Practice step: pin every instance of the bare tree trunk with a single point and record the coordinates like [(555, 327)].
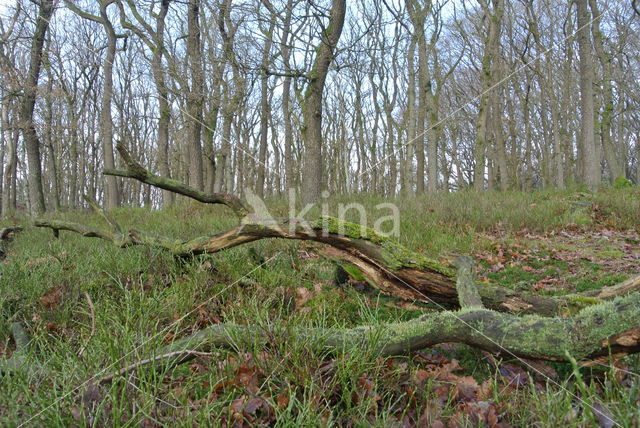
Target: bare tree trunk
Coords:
[(590, 167), (163, 100), (407, 187), (498, 132), (286, 99), (232, 98), (616, 168), (12, 159), (489, 57), (418, 15), (31, 140), (195, 96), (48, 142), (312, 104), (264, 108), (112, 197)]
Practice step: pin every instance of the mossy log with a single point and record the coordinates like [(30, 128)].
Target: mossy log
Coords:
[(7, 232), (392, 268), (600, 332), (608, 329)]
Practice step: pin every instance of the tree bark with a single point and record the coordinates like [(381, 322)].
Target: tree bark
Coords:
[(286, 99), (616, 168), (112, 197), (593, 335), (31, 140), (487, 76), (163, 99), (604, 331), (195, 98), (10, 144), (590, 163), (418, 15), (312, 104), (264, 108)]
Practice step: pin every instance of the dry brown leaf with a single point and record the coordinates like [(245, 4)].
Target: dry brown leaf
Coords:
[(466, 389), (282, 400), (302, 296), (513, 375), (247, 376), (52, 298)]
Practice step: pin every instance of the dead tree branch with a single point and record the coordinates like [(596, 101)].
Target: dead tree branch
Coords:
[(394, 269)]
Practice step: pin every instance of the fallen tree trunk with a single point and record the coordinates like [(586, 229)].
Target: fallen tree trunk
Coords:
[(603, 331), (389, 266), (7, 232), (600, 330), (609, 329)]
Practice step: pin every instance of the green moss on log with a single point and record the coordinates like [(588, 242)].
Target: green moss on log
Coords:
[(395, 255)]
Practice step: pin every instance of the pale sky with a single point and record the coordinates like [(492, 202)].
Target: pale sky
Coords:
[(4, 4)]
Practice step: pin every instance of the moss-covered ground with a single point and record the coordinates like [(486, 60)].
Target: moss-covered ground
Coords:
[(118, 305)]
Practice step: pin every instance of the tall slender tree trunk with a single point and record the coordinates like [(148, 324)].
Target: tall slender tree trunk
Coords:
[(590, 167), (407, 187), (490, 55), (231, 103), (195, 98), (54, 178), (164, 109), (418, 15), (497, 106), (433, 139), (31, 140), (112, 198), (616, 168), (10, 144), (312, 104), (285, 51), (264, 109)]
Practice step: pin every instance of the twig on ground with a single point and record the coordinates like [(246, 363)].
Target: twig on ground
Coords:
[(182, 356), (92, 312)]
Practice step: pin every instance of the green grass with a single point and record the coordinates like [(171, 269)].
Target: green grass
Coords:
[(143, 297)]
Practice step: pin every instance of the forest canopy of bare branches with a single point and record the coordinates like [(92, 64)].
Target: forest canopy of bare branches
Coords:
[(392, 97)]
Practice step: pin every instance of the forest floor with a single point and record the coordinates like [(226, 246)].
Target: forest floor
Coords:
[(92, 308)]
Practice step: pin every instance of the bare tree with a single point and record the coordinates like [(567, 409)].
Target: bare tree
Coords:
[(587, 146), (195, 98), (154, 38), (494, 17), (31, 140), (312, 103), (265, 110), (112, 197)]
